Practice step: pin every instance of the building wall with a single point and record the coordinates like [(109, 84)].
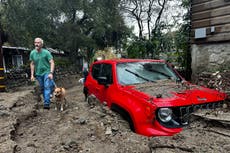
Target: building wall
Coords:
[(210, 35), (211, 57), (212, 18)]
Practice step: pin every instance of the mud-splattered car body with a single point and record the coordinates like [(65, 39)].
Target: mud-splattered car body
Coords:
[(150, 94)]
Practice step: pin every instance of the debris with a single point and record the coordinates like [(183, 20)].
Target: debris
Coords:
[(218, 80), (108, 131)]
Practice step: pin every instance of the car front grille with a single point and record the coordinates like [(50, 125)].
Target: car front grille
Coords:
[(182, 115)]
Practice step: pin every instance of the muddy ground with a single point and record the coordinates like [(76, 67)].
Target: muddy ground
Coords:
[(81, 128)]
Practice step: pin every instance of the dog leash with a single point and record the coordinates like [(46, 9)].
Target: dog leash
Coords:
[(52, 82)]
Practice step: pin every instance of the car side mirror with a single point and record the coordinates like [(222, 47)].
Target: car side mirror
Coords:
[(102, 81)]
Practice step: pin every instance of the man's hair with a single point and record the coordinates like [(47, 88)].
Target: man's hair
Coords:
[(40, 40)]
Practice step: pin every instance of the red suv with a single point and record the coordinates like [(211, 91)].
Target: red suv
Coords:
[(149, 94)]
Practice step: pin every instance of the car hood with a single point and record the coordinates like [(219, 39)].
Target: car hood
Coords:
[(170, 93)]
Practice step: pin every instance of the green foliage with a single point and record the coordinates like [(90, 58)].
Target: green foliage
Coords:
[(136, 49), (67, 25), (25, 19), (62, 62), (160, 42), (185, 3), (182, 42), (82, 26)]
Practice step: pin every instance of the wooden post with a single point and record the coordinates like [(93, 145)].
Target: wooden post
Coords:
[(2, 74)]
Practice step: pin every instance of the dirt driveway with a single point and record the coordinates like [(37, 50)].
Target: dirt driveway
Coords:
[(81, 128)]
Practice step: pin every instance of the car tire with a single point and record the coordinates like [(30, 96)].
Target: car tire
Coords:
[(124, 115)]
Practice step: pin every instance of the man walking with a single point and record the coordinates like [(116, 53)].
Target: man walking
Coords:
[(42, 67)]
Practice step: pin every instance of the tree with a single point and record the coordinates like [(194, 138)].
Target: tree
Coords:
[(182, 41), (135, 10), (68, 25), (26, 19), (145, 12)]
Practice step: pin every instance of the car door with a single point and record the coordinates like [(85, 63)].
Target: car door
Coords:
[(102, 90), (92, 83)]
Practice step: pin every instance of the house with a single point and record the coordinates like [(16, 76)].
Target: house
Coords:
[(56, 52), (210, 35), (13, 58)]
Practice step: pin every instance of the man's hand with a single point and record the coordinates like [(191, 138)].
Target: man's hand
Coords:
[(50, 76), (32, 78), (32, 71)]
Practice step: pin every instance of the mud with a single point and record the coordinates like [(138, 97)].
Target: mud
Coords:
[(83, 128), (164, 88)]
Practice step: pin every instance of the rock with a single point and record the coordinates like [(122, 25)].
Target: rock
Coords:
[(31, 145), (226, 147), (92, 138), (225, 106), (80, 121), (115, 128), (73, 144), (108, 131), (2, 107), (4, 114)]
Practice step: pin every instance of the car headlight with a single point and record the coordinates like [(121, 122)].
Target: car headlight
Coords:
[(165, 114)]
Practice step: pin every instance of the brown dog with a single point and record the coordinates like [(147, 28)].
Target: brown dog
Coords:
[(60, 98)]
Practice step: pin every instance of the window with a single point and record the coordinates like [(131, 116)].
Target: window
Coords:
[(96, 71), (141, 72), (17, 60), (107, 72), (102, 70)]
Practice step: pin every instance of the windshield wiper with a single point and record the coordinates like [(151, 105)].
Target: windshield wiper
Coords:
[(139, 76), (162, 73), (149, 67)]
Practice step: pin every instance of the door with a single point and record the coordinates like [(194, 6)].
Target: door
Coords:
[(106, 71), (101, 70)]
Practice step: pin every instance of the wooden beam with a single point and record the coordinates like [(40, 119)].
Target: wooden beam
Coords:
[(218, 29), (199, 1), (2, 86), (211, 13), (209, 5), (211, 22), (222, 37)]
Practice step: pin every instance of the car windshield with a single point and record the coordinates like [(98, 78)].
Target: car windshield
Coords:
[(141, 72)]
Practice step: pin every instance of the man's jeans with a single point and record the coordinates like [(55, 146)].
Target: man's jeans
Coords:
[(47, 87)]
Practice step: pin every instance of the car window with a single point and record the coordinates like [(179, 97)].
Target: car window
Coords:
[(107, 72), (125, 76), (140, 72), (102, 70), (96, 71)]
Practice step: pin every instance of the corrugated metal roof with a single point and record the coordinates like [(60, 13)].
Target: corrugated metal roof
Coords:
[(55, 51), (21, 48)]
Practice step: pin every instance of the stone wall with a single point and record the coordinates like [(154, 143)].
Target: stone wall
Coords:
[(210, 57), (15, 79)]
